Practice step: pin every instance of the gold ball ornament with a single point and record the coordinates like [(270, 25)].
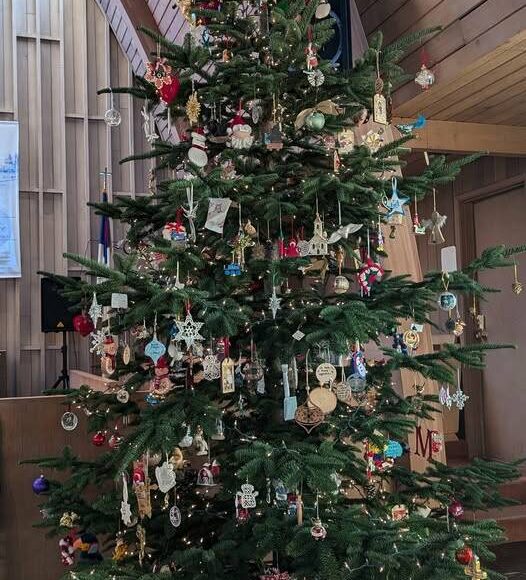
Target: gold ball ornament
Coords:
[(516, 287), (341, 285)]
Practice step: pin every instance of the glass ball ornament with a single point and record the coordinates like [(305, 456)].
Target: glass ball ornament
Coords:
[(341, 285), (464, 555), (40, 485), (356, 384), (456, 509), (424, 78), (447, 301), (99, 439), (318, 531), (315, 121), (112, 117)]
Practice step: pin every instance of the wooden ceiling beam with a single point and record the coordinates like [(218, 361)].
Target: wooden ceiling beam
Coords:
[(461, 137), (497, 45)]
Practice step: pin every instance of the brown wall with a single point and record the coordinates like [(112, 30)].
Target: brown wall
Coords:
[(54, 56), (491, 216), (30, 428)]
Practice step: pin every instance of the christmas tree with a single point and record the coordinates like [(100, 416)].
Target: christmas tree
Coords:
[(255, 436)]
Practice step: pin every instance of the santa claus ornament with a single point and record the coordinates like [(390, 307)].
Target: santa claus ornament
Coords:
[(240, 133)]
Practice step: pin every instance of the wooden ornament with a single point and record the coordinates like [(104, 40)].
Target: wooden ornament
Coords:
[(326, 373), (309, 416), (227, 376), (126, 355), (324, 399), (380, 109)]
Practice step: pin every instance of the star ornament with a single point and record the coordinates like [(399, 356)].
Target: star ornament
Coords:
[(395, 205), (188, 330), (95, 310)]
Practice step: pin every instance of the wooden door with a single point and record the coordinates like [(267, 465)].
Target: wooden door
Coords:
[(501, 219)]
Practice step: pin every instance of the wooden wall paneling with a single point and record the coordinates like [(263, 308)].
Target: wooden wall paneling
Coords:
[(49, 83), (446, 91), (375, 14), (486, 172), (36, 421), (25, 16), (361, 5), (121, 145), (482, 52), (6, 57), (471, 89)]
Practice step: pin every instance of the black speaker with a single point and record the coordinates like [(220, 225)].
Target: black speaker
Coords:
[(56, 316), (339, 49)]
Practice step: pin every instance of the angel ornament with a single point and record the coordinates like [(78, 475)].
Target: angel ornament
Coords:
[(435, 224), (148, 125), (199, 442)]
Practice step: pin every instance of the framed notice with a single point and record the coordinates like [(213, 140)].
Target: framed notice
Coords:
[(9, 210)]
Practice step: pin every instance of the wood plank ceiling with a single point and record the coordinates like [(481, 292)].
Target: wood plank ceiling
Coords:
[(478, 57)]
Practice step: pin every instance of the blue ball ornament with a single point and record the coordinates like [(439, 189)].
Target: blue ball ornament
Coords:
[(152, 400), (394, 449), (40, 485), (447, 301)]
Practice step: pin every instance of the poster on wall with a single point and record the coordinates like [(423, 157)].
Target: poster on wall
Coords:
[(9, 209)]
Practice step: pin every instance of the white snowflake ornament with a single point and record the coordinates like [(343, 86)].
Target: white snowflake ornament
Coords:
[(188, 330), (211, 367), (97, 341), (274, 303), (459, 398)]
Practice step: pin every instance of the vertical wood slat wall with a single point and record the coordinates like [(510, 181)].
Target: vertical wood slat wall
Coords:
[(54, 56)]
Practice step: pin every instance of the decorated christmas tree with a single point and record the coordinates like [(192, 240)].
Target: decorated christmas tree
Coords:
[(252, 337)]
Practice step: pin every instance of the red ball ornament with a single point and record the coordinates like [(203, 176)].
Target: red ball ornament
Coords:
[(169, 91), (464, 555), (99, 439), (83, 324), (456, 509)]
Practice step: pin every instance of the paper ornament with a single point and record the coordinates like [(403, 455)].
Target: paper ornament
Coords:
[(188, 330)]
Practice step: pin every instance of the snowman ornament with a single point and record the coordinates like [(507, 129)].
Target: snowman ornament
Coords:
[(248, 496), (245, 501), (197, 152)]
